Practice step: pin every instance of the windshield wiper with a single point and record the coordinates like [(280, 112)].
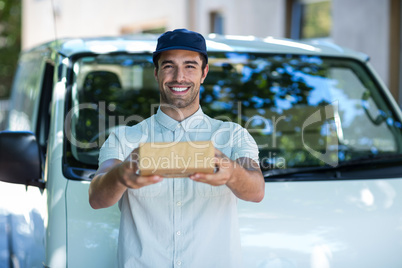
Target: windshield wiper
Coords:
[(384, 159)]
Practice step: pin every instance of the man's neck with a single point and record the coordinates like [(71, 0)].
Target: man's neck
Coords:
[(179, 114)]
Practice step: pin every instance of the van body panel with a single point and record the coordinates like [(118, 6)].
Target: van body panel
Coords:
[(56, 184), (335, 224), (56, 236), (90, 231)]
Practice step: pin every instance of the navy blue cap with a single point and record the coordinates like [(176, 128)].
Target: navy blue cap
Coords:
[(181, 39)]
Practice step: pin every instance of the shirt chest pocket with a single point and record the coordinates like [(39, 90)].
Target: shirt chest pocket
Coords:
[(147, 191), (206, 190)]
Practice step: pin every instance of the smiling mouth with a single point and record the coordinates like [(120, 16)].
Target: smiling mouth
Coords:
[(179, 89)]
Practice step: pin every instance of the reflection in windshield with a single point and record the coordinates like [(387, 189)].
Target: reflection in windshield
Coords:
[(303, 111)]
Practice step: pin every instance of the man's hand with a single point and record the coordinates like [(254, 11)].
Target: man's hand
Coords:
[(130, 175), (224, 170), (112, 179), (243, 177)]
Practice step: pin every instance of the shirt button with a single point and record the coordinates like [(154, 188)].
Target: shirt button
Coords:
[(178, 203), (178, 262), (178, 233)]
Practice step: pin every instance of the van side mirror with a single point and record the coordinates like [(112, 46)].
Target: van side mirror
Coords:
[(20, 158)]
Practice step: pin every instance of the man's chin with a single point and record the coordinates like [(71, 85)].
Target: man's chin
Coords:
[(175, 104)]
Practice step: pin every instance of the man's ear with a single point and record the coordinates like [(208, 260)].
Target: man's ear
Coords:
[(204, 73), (156, 74)]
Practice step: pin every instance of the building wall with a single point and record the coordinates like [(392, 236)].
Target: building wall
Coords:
[(361, 25), (88, 18), (245, 17), (77, 18)]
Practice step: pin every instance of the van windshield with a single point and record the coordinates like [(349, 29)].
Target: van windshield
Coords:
[(303, 111)]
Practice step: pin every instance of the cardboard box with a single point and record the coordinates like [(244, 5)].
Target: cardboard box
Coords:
[(176, 159)]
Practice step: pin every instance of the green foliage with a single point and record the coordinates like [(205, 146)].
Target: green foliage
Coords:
[(10, 43), (317, 21)]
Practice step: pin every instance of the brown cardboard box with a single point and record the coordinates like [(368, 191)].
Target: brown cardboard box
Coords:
[(176, 159)]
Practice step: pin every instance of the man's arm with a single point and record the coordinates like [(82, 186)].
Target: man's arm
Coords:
[(243, 177), (247, 181), (112, 179), (105, 188)]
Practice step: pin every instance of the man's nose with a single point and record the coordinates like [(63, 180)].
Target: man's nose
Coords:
[(179, 75)]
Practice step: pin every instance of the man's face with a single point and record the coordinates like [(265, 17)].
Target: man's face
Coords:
[(179, 77)]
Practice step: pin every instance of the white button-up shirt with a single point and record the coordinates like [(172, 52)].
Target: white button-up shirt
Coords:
[(179, 222)]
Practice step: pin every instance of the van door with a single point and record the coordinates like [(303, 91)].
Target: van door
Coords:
[(23, 208)]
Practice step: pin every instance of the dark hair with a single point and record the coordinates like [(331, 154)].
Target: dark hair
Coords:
[(203, 59)]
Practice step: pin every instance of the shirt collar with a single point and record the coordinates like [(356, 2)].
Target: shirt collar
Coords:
[(189, 123)]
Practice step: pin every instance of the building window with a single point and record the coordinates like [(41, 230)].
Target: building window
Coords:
[(310, 18), (156, 30), (216, 22)]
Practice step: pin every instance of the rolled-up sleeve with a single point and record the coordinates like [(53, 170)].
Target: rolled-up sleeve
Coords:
[(244, 145), (111, 148)]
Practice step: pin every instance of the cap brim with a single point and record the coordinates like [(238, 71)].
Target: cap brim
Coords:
[(156, 53)]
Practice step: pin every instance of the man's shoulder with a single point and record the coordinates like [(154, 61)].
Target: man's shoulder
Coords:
[(135, 128), (223, 123)]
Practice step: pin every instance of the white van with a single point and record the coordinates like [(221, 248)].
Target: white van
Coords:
[(328, 131)]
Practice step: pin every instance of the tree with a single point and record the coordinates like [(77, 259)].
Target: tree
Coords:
[(10, 43)]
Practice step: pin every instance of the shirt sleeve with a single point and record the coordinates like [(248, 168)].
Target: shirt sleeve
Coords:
[(111, 148), (244, 145)]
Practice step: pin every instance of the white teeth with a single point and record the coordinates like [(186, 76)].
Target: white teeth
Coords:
[(179, 89)]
